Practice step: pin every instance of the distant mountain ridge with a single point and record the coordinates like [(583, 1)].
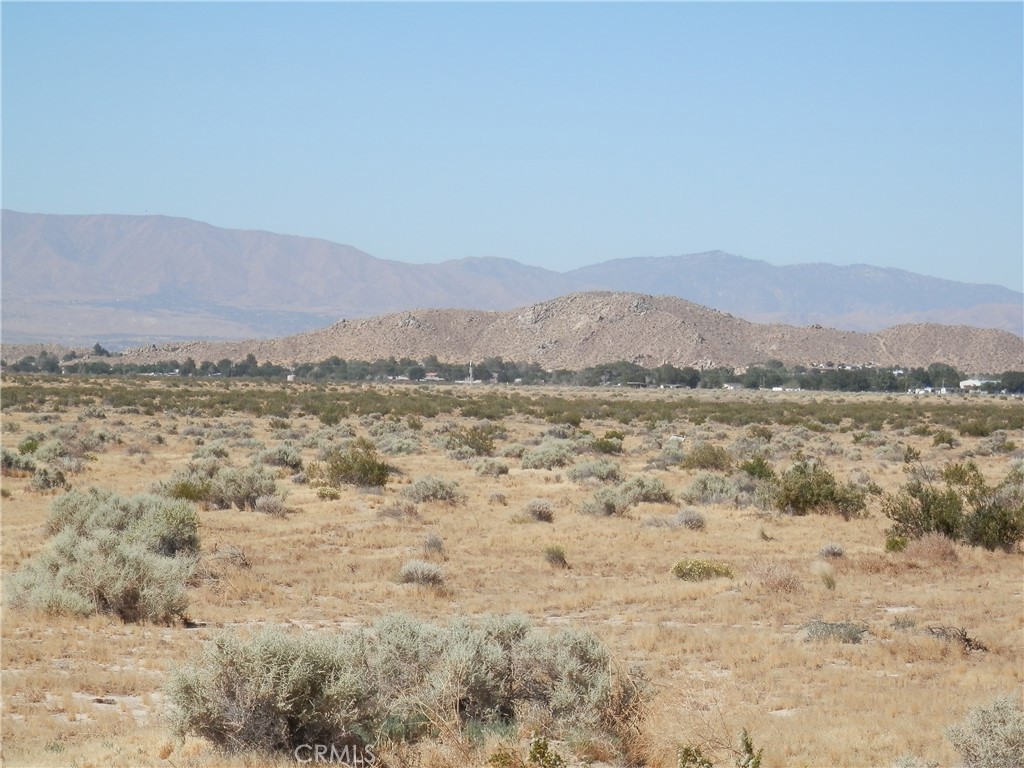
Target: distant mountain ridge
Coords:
[(126, 280), (586, 329)]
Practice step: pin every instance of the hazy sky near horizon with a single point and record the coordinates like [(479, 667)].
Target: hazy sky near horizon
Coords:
[(556, 134)]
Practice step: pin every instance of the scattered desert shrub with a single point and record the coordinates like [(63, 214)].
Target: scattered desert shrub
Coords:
[(270, 505), (943, 437), (966, 509), (47, 479), (644, 488), (739, 489), (541, 510), (690, 519), (512, 451), (29, 445), (602, 469), (758, 466), (551, 453), (610, 443), (490, 467), (695, 569), (421, 572), (809, 486), (616, 501), (399, 680), (13, 463), (282, 456), (775, 576), (433, 546), (931, 547), (831, 551), (704, 455), (432, 488), (825, 573), (992, 734), (356, 464), (477, 440), (241, 487), (498, 498), (554, 555), (110, 554), (400, 509), (840, 631)]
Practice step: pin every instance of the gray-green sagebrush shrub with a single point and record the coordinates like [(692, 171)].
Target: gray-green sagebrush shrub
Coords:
[(208, 481), (400, 679), (551, 453), (432, 488), (128, 556), (619, 499), (992, 734), (605, 470)]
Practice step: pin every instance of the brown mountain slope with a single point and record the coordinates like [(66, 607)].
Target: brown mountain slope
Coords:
[(585, 329)]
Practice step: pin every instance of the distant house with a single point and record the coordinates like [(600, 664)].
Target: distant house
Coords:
[(976, 383)]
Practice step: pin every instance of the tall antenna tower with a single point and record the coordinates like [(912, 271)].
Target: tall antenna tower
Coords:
[(470, 371)]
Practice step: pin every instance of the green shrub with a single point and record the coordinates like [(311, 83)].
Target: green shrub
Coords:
[(758, 466), (357, 464), (692, 757), (433, 488), (695, 569), (610, 443), (554, 555), (809, 486), (992, 734), (477, 440), (14, 463), (28, 445), (707, 456), (920, 508), (943, 437), (966, 509)]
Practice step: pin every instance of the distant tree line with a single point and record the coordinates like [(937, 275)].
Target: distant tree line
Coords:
[(769, 375)]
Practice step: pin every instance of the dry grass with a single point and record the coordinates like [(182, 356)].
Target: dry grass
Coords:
[(724, 654)]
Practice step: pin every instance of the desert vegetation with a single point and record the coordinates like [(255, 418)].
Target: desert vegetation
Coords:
[(220, 571)]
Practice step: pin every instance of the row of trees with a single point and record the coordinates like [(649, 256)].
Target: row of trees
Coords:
[(496, 370)]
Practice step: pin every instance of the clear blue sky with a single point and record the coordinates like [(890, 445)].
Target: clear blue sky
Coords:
[(555, 134)]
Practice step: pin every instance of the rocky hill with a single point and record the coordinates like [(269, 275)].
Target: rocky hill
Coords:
[(585, 329), (130, 280)]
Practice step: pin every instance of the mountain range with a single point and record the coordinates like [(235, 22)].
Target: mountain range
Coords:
[(130, 280)]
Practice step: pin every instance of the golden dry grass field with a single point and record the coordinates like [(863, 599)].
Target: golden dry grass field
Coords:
[(722, 655)]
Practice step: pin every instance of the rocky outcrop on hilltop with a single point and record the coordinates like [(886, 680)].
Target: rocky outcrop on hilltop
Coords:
[(586, 329)]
